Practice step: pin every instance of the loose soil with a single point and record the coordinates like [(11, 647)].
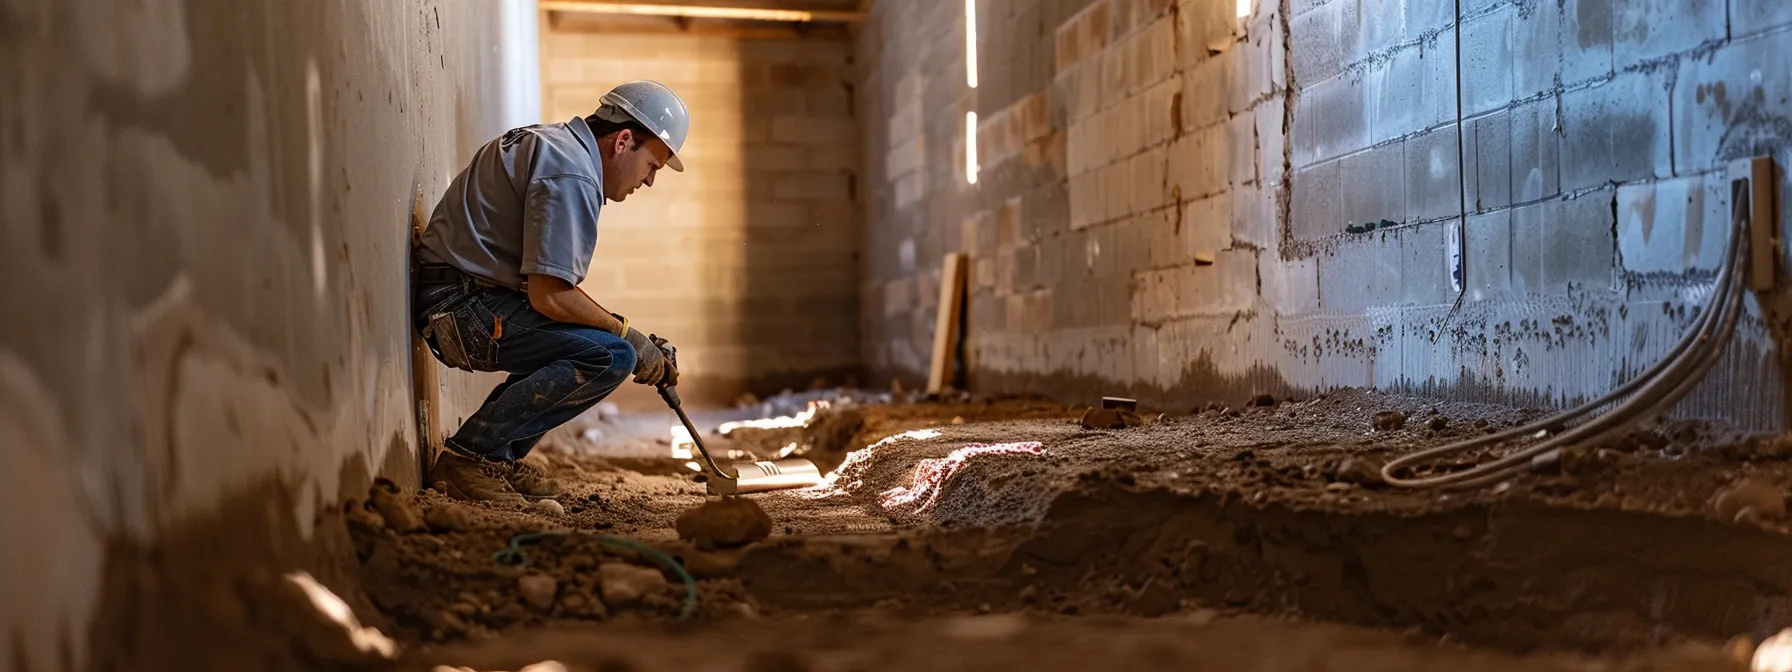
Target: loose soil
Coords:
[(1105, 543)]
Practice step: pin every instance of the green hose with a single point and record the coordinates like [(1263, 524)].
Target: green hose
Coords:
[(514, 556)]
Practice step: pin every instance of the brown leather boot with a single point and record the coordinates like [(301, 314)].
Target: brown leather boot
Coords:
[(530, 482), (472, 478)]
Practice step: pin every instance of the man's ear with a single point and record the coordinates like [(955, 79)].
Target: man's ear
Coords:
[(623, 137)]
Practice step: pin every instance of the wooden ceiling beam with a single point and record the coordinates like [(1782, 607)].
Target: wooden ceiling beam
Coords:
[(749, 31), (705, 11)]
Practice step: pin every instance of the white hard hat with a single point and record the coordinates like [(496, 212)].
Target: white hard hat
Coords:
[(656, 107)]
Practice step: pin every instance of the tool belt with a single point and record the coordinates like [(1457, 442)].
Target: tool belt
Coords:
[(437, 274), (473, 350), (441, 274)]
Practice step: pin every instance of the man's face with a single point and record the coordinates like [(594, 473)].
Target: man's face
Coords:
[(630, 169)]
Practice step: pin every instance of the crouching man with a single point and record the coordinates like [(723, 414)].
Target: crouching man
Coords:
[(496, 282)]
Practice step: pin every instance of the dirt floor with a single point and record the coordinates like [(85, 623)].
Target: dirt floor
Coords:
[(1220, 538)]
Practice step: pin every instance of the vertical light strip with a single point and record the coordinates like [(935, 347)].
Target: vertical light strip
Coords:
[(970, 79), (970, 147), (519, 58), (970, 43), (1244, 8)]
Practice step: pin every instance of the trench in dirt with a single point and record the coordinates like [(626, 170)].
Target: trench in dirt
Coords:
[(1243, 513), (1517, 575)]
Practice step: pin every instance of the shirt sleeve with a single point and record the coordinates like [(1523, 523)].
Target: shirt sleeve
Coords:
[(559, 226)]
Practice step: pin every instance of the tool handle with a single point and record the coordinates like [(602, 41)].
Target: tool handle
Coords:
[(671, 355), (670, 394), (667, 391)]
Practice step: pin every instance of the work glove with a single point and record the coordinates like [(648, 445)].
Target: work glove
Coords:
[(650, 361), (671, 377)]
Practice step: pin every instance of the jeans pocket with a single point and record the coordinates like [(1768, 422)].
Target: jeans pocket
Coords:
[(483, 346), (464, 337)]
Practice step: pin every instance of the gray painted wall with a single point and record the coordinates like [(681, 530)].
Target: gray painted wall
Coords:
[(1119, 140), (207, 208)]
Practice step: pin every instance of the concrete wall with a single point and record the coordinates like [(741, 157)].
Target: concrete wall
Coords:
[(748, 260), (1122, 140), (207, 210)]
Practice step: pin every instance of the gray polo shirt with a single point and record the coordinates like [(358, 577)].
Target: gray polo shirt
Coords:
[(527, 203)]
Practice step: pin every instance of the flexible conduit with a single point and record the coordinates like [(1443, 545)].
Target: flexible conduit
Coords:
[(1652, 392)]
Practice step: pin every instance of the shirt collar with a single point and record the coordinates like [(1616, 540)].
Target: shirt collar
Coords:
[(583, 131)]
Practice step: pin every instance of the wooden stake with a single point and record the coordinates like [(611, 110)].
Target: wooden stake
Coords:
[(1752, 182), (945, 326), (426, 391)]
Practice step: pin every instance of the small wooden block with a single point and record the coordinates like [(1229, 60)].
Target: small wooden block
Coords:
[(1121, 403)]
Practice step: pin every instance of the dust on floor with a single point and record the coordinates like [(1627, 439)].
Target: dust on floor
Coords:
[(959, 508), (874, 640)]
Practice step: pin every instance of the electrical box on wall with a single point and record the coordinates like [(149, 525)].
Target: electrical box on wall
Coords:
[(1753, 183)]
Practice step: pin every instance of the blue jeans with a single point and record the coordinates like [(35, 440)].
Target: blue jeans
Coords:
[(557, 370)]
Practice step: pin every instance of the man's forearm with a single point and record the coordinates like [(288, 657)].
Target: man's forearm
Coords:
[(564, 302), (599, 317)]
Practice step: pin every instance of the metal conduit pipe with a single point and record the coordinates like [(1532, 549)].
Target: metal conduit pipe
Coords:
[(1705, 321), (1469, 478), (1658, 395), (1655, 390)]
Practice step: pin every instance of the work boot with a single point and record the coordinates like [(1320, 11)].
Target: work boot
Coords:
[(472, 478), (530, 482)]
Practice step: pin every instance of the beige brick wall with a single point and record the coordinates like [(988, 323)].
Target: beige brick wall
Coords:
[(748, 260)]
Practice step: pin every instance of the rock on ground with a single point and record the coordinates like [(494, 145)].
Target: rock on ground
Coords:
[(1750, 498), (550, 507), (1110, 418), (1361, 471), (446, 621), (357, 513), (711, 564), (1388, 421), (449, 517), (725, 523), (623, 584), (538, 590), (395, 507)]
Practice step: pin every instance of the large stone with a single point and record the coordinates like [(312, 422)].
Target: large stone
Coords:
[(724, 523)]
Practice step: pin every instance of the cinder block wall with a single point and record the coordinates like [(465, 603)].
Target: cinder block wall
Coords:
[(748, 261), (1121, 140)]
